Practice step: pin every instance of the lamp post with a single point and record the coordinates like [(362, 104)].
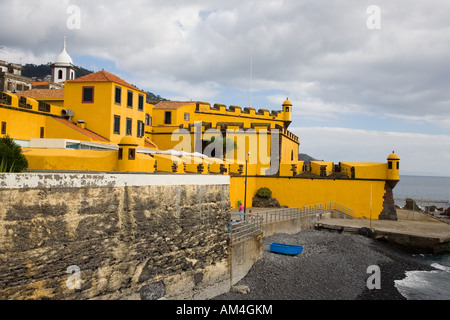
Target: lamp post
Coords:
[(245, 192)]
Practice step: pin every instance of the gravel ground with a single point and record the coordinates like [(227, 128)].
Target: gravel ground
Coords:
[(332, 266)]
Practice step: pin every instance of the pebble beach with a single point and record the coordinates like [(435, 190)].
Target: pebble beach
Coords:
[(332, 266)]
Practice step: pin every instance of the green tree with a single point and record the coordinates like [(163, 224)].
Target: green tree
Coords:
[(11, 156)]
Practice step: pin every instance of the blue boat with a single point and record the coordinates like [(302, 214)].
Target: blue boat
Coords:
[(283, 248)]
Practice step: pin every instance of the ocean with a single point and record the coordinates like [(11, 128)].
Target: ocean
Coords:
[(421, 187), (435, 284)]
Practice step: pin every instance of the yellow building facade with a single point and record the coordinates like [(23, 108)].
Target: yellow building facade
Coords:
[(107, 105), (100, 122)]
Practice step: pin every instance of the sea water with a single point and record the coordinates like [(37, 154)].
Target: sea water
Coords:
[(420, 187), (426, 285)]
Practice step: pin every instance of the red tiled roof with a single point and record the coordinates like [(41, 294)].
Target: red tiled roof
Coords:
[(86, 132), (40, 83), (150, 144), (103, 76), (173, 104), (42, 93)]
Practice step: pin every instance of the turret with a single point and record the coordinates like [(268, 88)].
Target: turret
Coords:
[(287, 110), (393, 167), (389, 211), (127, 154)]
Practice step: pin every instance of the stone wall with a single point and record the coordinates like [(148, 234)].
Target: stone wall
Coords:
[(88, 236), (244, 254)]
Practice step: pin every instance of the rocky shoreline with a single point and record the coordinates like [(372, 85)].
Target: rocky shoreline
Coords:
[(332, 266)]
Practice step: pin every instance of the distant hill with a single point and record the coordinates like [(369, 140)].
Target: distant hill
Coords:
[(306, 158), (43, 70)]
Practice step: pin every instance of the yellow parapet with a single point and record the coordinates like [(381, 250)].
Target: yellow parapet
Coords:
[(236, 166), (194, 164), (168, 163), (67, 159), (364, 170), (216, 165), (291, 168), (321, 168)]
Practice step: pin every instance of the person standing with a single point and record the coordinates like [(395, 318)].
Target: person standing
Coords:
[(241, 211)]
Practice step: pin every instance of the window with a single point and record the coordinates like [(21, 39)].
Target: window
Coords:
[(390, 165), (23, 103), (148, 120), (5, 99), (131, 154), (186, 116), (292, 155), (43, 106), (141, 102), (60, 74), (120, 153), (140, 129), (42, 133), (286, 109), (88, 94), (130, 99), (116, 124), (129, 127), (118, 95), (398, 165), (168, 117), (3, 127)]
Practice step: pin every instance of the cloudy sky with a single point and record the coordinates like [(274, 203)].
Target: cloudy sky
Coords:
[(365, 77)]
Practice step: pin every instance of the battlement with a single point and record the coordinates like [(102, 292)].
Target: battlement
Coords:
[(23, 103), (238, 127), (232, 110)]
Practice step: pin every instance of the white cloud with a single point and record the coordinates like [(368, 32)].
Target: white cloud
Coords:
[(320, 54), (419, 153)]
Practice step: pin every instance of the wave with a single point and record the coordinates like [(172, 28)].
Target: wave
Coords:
[(426, 285)]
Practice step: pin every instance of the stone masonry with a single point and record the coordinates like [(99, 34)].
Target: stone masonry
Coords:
[(114, 242)]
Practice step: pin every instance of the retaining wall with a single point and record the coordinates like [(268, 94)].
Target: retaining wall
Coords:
[(113, 236), (244, 254)]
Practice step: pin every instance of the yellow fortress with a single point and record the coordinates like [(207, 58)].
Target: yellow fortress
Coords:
[(100, 122)]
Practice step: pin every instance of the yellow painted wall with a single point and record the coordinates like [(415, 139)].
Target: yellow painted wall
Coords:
[(26, 123), (316, 165), (206, 113), (66, 159), (57, 130), (295, 192), (394, 173), (99, 115), (257, 141), (22, 125), (289, 150), (365, 170), (168, 163), (96, 115)]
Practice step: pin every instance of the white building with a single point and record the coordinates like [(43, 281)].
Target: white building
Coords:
[(63, 68)]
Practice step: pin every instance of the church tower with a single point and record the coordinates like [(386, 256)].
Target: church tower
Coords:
[(63, 68)]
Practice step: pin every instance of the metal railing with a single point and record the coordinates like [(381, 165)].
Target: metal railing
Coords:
[(249, 225)]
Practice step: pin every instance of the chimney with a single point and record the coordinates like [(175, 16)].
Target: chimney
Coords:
[(81, 124)]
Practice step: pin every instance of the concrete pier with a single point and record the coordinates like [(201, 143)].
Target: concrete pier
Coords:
[(418, 236)]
